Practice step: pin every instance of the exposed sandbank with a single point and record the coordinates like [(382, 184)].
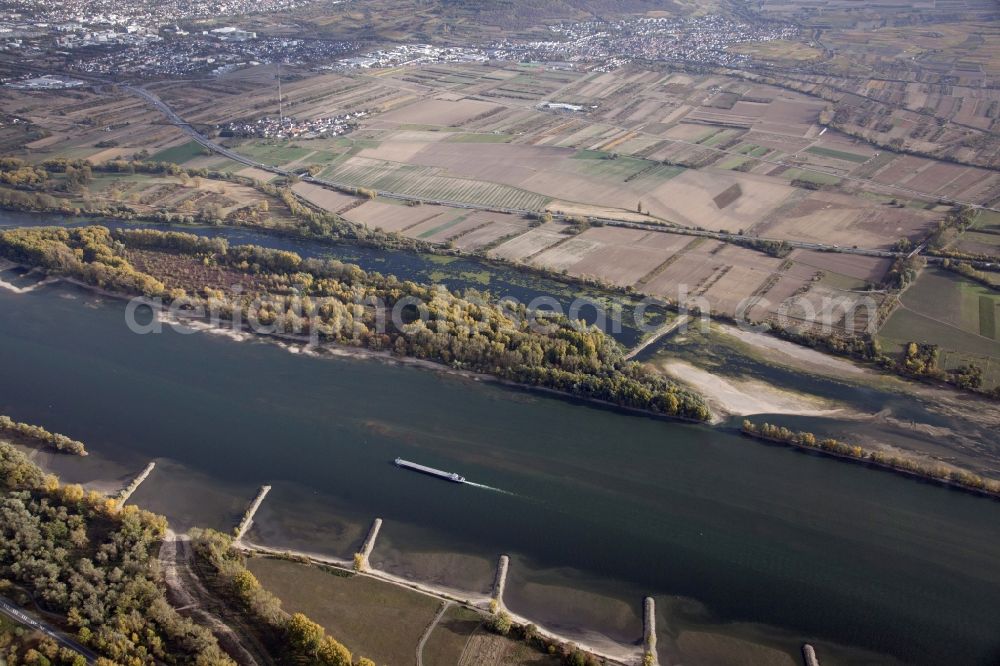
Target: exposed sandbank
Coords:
[(727, 396)]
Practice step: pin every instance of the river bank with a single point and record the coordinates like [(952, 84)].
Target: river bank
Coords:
[(724, 534), (612, 653), (630, 337), (732, 397), (661, 399), (742, 373), (950, 477)]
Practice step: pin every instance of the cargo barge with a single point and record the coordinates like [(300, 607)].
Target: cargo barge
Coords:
[(423, 469)]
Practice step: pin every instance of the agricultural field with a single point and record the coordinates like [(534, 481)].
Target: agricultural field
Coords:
[(921, 79), (983, 238), (486, 649), (484, 122), (385, 622), (180, 153), (780, 51), (838, 219), (83, 124), (381, 621), (431, 183), (460, 639), (448, 641), (662, 147), (708, 151), (960, 316)]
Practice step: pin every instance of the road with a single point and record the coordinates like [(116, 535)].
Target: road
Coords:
[(445, 605), (188, 595), (664, 330), (63, 639), (197, 136)]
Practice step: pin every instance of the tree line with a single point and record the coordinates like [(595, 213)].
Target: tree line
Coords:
[(292, 639), (343, 304), (950, 475), (499, 621), (87, 254), (40, 435), (915, 360)]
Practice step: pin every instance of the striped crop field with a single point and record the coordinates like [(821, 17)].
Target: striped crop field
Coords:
[(426, 182)]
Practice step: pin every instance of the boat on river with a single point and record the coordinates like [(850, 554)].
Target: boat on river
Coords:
[(423, 469)]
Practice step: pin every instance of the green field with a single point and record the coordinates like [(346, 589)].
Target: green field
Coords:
[(841, 281), (976, 242), (958, 315), (753, 150), (983, 237), (427, 128), (180, 154), (811, 177), (588, 154), (276, 154), (733, 163), (479, 137), (869, 168), (717, 138), (837, 154), (442, 227), (599, 164), (987, 220)]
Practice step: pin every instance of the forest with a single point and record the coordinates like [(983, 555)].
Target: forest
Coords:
[(340, 303), (77, 554)]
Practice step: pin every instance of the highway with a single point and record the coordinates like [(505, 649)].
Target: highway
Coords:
[(19, 616), (197, 136)]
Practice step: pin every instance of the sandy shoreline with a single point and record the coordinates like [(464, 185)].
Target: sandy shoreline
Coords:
[(735, 397), (7, 265), (794, 351), (301, 344)]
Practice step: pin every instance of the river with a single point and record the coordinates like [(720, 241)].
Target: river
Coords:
[(597, 509)]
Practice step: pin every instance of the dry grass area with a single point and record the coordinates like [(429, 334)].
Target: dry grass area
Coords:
[(447, 112), (182, 195), (323, 197), (494, 228), (838, 219), (83, 124), (780, 50), (532, 242), (184, 272), (399, 217), (381, 621), (486, 649), (448, 641)]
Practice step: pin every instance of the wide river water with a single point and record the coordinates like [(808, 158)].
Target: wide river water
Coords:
[(596, 508)]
